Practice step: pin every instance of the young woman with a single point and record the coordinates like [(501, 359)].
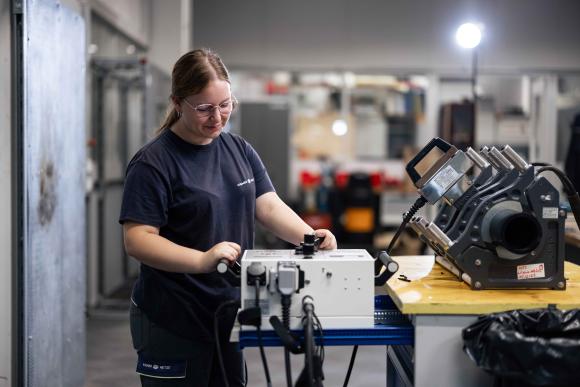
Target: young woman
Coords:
[(190, 199)]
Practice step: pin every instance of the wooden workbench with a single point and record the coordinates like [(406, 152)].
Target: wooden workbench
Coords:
[(441, 306), (434, 290)]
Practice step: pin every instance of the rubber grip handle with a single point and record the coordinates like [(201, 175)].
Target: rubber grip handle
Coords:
[(390, 264), (222, 266), (434, 143)]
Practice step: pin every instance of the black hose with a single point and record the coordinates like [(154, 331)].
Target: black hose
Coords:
[(320, 375), (286, 300), (569, 190), (419, 203), (260, 344), (350, 365), (308, 309), (567, 184), (217, 337), (309, 348)]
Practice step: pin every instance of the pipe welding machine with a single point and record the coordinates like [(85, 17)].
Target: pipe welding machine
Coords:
[(500, 225)]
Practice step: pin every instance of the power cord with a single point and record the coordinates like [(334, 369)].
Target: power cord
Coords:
[(308, 309), (259, 330), (217, 336), (419, 203), (286, 301), (350, 365), (312, 375), (568, 188)]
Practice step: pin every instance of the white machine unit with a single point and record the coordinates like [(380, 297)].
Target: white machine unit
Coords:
[(340, 282)]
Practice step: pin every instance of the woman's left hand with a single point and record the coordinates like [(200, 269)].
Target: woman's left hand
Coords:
[(329, 242)]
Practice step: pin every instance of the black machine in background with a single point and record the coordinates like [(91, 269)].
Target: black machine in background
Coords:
[(500, 224)]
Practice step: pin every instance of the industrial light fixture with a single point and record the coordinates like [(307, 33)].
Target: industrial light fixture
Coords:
[(468, 35), (339, 127)]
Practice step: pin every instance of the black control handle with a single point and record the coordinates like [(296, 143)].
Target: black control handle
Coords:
[(224, 265), (391, 267), (434, 143)]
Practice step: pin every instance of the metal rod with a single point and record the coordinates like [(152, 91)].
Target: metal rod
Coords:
[(502, 161), (448, 265), (429, 236), (441, 238), (415, 227), (517, 160), (485, 154), (476, 158), (467, 278)]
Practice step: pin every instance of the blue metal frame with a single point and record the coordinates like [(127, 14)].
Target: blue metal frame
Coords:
[(395, 329)]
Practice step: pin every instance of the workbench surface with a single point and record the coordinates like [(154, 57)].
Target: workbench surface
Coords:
[(434, 290)]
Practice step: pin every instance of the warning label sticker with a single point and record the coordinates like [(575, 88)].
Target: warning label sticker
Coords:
[(550, 213), (446, 177), (535, 270)]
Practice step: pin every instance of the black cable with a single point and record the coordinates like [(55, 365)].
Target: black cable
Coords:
[(217, 336), (419, 203), (309, 344), (260, 344), (350, 365), (320, 348), (569, 190), (286, 300), (568, 186)]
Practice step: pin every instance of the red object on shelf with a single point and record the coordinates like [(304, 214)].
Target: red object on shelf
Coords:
[(376, 180), (308, 179), (341, 179), (391, 181), (274, 88)]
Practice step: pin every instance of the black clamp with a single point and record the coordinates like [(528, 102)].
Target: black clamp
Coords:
[(309, 246)]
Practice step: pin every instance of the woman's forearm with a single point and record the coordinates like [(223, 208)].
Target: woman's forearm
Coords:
[(276, 216), (160, 253)]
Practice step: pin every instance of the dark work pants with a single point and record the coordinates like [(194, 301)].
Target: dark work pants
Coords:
[(155, 343)]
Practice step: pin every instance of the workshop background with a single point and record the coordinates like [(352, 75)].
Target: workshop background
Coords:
[(335, 95)]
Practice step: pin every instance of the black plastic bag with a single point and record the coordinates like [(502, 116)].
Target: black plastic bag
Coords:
[(537, 347)]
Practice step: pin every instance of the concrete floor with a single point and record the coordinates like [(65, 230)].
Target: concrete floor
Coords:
[(111, 360)]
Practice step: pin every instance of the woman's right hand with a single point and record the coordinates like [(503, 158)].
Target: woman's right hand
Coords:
[(222, 250)]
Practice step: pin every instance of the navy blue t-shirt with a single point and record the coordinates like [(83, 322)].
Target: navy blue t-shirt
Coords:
[(198, 196)]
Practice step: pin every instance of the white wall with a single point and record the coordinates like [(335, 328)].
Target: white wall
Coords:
[(389, 35), (130, 16), (163, 28), (171, 32), (5, 200)]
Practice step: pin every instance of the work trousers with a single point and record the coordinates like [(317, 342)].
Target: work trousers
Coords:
[(169, 360)]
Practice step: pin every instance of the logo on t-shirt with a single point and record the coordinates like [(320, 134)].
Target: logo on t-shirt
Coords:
[(244, 182)]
